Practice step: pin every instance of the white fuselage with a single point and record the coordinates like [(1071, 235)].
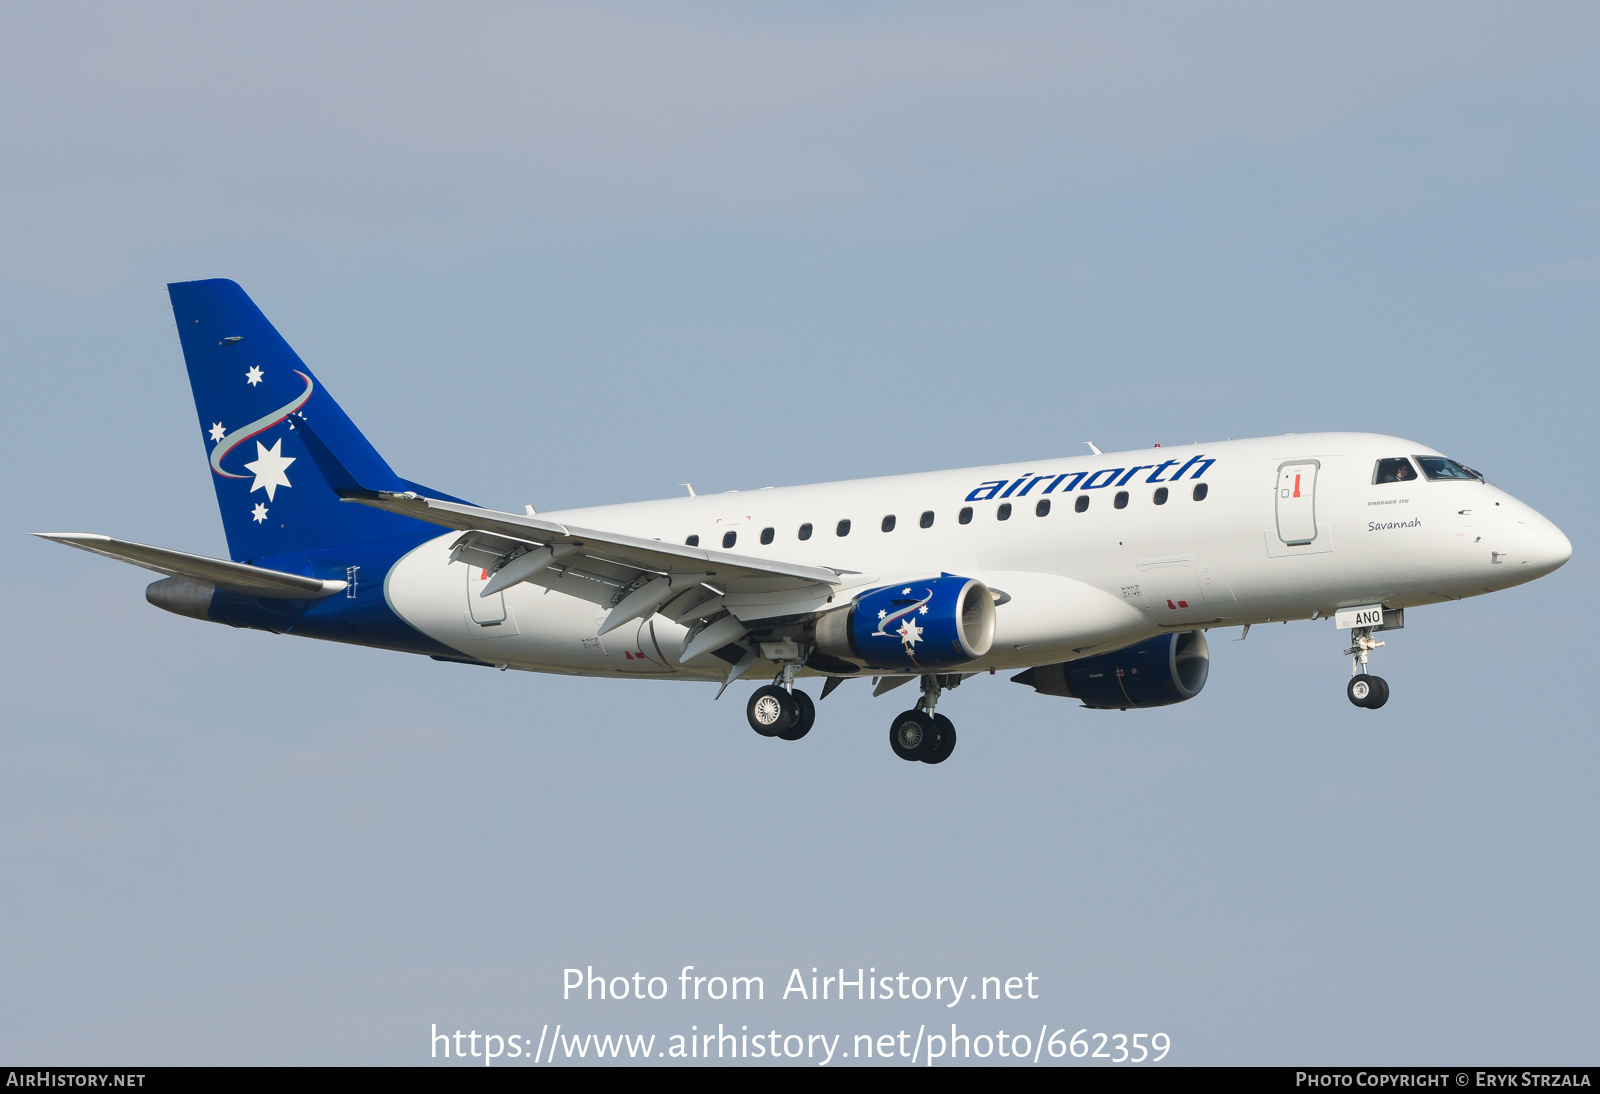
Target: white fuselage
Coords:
[(1261, 546)]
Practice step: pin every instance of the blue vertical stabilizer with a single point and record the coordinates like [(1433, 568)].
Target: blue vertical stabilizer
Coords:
[(247, 383)]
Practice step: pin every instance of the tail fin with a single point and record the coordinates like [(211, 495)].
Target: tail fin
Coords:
[(247, 382)]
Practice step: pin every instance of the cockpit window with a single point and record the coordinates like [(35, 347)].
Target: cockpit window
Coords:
[(1398, 469), (1437, 467)]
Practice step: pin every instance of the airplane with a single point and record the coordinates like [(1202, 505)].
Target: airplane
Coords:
[(1092, 577)]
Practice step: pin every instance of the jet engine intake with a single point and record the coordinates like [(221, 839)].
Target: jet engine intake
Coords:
[(920, 625), (1155, 673)]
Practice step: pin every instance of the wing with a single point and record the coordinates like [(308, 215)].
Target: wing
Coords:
[(233, 576), (633, 577), (717, 594)]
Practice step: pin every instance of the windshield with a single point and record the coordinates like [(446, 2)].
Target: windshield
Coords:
[(1437, 467), (1395, 469)]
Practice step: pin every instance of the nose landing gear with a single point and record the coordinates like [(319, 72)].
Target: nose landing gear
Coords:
[(919, 733), (1368, 691), (1364, 689)]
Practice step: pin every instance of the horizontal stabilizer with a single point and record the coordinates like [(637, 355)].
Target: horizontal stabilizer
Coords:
[(235, 577)]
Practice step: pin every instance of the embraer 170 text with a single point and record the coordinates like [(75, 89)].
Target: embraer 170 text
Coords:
[(1091, 577)]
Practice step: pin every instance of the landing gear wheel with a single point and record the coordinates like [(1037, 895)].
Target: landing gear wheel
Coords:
[(1380, 692), (1368, 691), (805, 717), (912, 735), (771, 710), (947, 740), (1359, 690)]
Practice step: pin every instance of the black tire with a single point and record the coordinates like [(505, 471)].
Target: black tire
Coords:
[(805, 717), (1380, 692), (947, 740), (771, 710), (1360, 690), (912, 735)]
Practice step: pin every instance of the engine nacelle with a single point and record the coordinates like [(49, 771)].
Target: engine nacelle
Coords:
[(1155, 673), (918, 626)]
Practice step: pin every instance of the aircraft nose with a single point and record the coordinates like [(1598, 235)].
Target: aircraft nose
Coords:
[(1555, 547)]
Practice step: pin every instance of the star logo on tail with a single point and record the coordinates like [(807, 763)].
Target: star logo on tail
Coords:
[(259, 513), (268, 467), (217, 432)]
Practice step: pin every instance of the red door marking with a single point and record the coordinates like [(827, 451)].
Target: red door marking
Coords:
[(1297, 486)]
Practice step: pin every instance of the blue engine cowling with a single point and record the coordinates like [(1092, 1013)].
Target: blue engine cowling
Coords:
[(916, 626), (1155, 673)]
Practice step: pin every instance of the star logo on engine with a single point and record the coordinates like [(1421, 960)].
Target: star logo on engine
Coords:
[(910, 634)]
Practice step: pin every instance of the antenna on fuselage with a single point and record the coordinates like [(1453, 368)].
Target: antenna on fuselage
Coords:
[(1094, 448), (690, 486)]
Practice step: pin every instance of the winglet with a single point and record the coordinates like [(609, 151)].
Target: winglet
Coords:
[(340, 479)]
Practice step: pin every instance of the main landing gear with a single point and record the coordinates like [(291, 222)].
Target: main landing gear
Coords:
[(1364, 689), (780, 709), (919, 733), (776, 712)]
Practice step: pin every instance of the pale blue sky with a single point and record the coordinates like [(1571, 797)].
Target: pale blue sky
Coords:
[(562, 256)]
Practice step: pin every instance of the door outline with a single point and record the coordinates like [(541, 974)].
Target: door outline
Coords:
[(1172, 590), (487, 611), (1287, 488)]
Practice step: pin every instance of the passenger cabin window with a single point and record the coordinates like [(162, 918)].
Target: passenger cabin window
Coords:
[(1121, 500), (1398, 469), (843, 528), (965, 516), (1043, 508), (927, 519), (888, 523), (692, 541), (1082, 504), (1004, 512), (729, 539), (1437, 467), (1201, 490), (767, 534), (1161, 495), (805, 531)]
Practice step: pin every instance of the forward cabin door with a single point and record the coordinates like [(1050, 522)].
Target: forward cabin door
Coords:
[(1297, 502)]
